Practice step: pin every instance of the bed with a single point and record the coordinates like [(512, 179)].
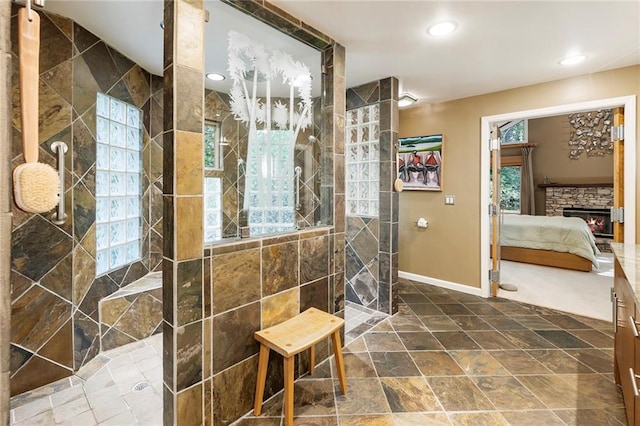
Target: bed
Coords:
[(562, 242)]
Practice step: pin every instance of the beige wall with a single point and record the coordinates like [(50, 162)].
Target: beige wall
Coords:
[(551, 158), (449, 249)]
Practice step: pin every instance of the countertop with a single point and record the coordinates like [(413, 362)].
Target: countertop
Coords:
[(628, 256)]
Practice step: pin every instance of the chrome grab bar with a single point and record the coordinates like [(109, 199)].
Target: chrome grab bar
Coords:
[(60, 148), (298, 172)]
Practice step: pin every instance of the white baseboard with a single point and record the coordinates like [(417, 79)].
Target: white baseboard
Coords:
[(441, 283)]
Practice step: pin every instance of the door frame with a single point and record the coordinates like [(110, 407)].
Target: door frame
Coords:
[(629, 104)]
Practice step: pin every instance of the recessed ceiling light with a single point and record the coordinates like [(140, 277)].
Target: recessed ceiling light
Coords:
[(215, 76), (572, 60), (442, 29), (406, 99)]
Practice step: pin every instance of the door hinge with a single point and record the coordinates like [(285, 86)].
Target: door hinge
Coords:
[(617, 133), (494, 275), (494, 144), (493, 210), (617, 214)]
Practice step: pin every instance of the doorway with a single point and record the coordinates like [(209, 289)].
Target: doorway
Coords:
[(629, 105)]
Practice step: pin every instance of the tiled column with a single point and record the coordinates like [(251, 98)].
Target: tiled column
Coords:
[(182, 205), (332, 164), (388, 240)]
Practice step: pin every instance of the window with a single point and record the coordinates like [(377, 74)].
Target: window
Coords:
[(212, 209), (515, 131), (362, 161), (212, 146), (510, 189), (118, 183), (510, 181)]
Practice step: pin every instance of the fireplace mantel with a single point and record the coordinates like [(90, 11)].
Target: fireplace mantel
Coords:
[(575, 185)]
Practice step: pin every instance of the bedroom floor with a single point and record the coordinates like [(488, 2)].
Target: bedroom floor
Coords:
[(581, 293)]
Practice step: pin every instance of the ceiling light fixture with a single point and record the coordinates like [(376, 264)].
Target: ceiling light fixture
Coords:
[(442, 29), (406, 99), (572, 60), (215, 76)]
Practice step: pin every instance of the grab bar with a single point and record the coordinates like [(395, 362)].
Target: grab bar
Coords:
[(298, 172), (60, 148)]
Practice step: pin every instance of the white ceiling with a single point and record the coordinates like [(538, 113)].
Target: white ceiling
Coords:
[(498, 45)]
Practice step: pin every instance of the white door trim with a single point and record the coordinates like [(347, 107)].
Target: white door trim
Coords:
[(629, 104)]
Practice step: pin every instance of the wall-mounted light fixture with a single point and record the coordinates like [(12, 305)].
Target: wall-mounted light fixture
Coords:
[(406, 99)]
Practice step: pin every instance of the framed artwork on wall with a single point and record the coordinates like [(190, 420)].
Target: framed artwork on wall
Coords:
[(420, 162)]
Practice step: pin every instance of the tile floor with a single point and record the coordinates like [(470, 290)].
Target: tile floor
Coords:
[(450, 358), (102, 392), (446, 358)]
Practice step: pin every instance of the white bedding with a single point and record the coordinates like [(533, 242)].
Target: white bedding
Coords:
[(556, 233)]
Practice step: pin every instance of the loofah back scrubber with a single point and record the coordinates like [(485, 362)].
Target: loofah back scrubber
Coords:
[(36, 187)]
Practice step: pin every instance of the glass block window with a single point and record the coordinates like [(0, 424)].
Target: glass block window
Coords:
[(212, 209), (269, 181), (118, 183), (362, 161)]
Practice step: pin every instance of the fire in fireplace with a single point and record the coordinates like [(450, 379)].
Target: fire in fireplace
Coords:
[(598, 220)]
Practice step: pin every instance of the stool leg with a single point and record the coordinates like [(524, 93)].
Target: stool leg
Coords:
[(312, 358), (288, 390), (263, 362), (337, 351)]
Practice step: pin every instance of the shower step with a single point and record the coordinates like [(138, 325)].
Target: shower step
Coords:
[(132, 313)]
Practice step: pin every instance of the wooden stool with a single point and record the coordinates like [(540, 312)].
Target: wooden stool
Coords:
[(290, 338)]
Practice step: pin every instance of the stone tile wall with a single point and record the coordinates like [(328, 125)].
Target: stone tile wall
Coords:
[(253, 284), (372, 242), (55, 292), (214, 301)]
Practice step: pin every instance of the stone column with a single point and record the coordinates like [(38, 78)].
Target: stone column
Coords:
[(388, 240), (182, 266), (332, 164)]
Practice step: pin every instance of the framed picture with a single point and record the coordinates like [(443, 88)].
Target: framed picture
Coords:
[(420, 162)]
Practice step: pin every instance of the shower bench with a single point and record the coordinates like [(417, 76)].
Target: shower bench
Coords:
[(291, 337)]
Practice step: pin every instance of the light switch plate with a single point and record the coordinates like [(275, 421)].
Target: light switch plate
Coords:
[(449, 200)]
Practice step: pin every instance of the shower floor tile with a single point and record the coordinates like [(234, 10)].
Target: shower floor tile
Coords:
[(119, 387)]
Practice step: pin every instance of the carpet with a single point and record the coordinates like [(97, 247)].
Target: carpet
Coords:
[(581, 293)]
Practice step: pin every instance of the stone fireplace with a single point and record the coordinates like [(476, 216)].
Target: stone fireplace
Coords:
[(598, 220)]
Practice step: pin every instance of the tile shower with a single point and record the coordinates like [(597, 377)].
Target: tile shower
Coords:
[(56, 291), (288, 273), (372, 206)]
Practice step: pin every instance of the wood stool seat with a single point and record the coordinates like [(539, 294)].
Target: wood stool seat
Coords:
[(291, 337)]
